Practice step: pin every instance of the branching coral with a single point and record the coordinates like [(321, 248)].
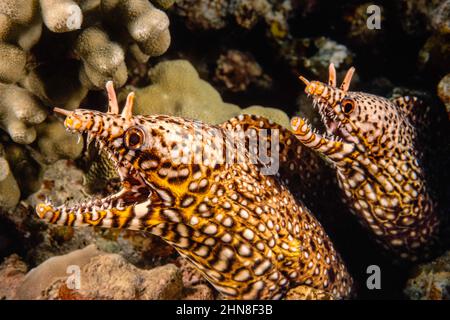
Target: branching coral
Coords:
[(95, 33), (102, 59), (147, 25), (19, 111), (429, 18), (54, 52), (61, 15), (53, 142)]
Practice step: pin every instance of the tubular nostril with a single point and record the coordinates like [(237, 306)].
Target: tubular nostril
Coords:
[(68, 122), (41, 210)]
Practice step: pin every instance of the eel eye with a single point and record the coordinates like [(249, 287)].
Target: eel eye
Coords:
[(134, 137), (348, 106)]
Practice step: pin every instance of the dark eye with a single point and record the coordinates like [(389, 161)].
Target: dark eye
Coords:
[(348, 106), (134, 138)]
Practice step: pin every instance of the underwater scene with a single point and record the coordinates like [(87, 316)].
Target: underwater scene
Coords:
[(212, 149)]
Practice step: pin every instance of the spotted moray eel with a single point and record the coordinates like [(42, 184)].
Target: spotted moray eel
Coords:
[(243, 230), (372, 142)]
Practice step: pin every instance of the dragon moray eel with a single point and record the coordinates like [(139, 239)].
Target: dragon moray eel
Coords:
[(372, 142), (242, 229)]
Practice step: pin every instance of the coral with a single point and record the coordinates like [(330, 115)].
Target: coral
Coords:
[(359, 34), (55, 143), (103, 276), (12, 274), (443, 91), (440, 20), (434, 57), (201, 14), (327, 51), (19, 111), (58, 185), (79, 31), (417, 15), (14, 70), (23, 166), (430, 281), (128, 282), (61, 15), (148, 26), (430, 19), (238, 70), (248, 12), (54, 85), (274, 114), (314, 55), (176, 89), (43, 275), (102, 59), (165, 4), (85, 43), (307, 293), (9, 189)]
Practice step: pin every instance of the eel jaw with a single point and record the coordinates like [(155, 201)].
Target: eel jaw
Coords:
[(337, 144), (333, 148), (129, 177)]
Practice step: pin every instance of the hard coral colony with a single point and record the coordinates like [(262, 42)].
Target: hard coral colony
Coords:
[(54, 53), (247, 203)]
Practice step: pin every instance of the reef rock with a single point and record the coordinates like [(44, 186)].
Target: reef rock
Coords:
[(110, 276), (43, 275), (307, 293), (12, 274), (237, 70), (443, 91), (199, 292), (431, 281)]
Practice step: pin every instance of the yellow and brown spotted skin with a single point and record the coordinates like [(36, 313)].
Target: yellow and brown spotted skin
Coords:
[(372, 141), (242, 229)]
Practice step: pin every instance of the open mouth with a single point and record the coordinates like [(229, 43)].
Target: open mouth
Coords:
[(328, 117), (131, 181), (337, 142)]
